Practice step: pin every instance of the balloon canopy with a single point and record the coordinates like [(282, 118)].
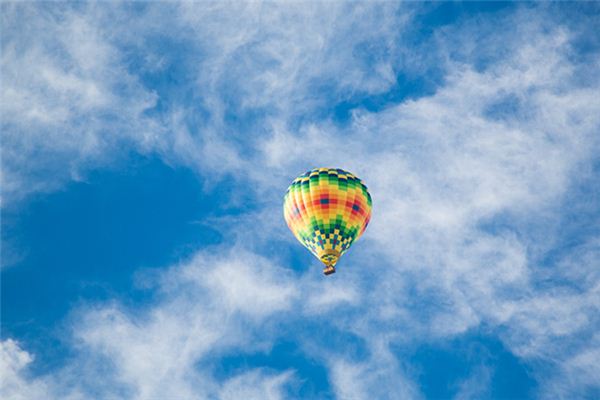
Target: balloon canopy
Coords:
[(327, 209)]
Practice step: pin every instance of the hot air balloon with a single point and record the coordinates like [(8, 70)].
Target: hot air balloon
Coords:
[(327, 209)]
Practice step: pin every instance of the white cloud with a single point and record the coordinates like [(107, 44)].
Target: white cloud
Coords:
[(68, 99), (254, 385), (271, 54), (203, 312), (166, 351), (378, 377), (323, 297), (476, 386), (441, 168), (74, 98), (13, 368)]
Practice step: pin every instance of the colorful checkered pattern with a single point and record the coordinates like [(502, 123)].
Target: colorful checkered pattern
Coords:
[(327, 209)]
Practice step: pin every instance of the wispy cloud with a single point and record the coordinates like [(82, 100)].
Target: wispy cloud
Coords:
[(68, 100), (159, 352), (76, 93), (13, 364)]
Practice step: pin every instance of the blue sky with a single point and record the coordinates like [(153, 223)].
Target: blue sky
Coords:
[(146, 148)]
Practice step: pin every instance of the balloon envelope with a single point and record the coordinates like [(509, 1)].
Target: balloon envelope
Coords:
[(327, 209)]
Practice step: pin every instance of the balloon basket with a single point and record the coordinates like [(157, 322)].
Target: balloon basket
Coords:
[(329, 270)]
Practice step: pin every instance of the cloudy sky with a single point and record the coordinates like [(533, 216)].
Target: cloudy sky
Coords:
[(146, 148)]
